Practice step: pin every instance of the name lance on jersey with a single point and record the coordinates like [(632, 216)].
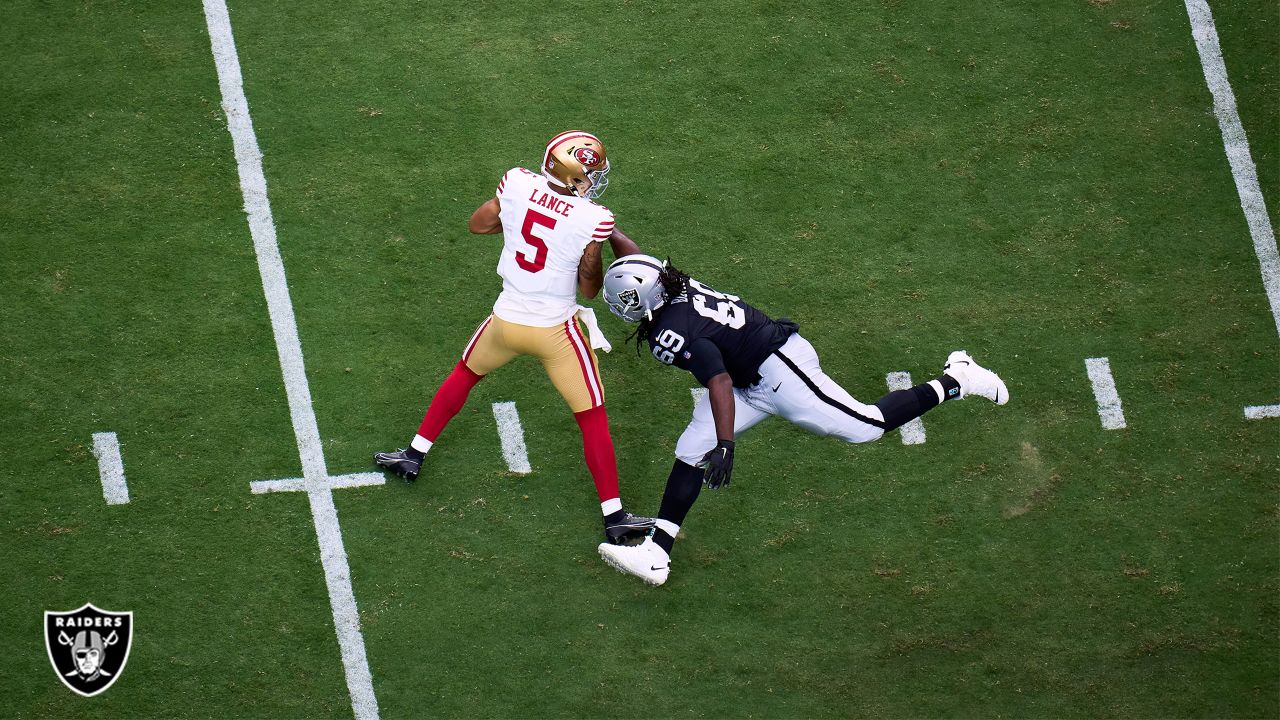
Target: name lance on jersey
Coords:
[(553, 204)]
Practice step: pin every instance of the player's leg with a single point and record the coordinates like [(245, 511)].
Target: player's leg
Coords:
[(961, 377), (651, 560), (805, 395), (485, 352), (699, 437), (571, 364), (822, 406)]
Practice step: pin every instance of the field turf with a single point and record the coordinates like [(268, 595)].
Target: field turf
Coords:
[(1037, 182)]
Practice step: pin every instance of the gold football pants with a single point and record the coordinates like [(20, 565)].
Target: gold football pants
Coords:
[(563, 349)]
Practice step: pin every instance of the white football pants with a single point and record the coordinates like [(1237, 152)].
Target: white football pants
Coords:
[(793, 386)]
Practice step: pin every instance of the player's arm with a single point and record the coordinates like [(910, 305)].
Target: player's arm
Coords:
[(590, 271), (485, 220), (703, 359), (622, 245), (720, 389), (707, 365), (719, 462)]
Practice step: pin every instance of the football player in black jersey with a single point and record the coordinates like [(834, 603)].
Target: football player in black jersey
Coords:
[(753, 367)]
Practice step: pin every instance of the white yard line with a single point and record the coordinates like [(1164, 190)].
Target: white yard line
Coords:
[(110, 468), (1104, 391), (1238, 155), (1242, 167), (316, 480), (1237, 147), (698, 394), (913, 431), (511, 435)]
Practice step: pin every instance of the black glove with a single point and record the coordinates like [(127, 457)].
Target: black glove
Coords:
[(719, 465)]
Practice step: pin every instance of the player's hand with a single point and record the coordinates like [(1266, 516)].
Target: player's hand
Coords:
[(719, 465)]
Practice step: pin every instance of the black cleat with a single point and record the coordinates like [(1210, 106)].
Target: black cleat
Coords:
[(628, 527), (399, 463)]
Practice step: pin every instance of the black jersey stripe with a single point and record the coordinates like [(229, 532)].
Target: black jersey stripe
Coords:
[(827, 398)]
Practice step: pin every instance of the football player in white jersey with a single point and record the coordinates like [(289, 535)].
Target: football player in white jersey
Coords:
[(552, 231)]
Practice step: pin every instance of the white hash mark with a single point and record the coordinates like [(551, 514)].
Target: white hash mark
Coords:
[(511, 435), (110, 468), (1104, 391)]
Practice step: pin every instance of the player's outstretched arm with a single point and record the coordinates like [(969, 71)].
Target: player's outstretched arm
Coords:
[(485, 220), (590, 271), (622, 245)]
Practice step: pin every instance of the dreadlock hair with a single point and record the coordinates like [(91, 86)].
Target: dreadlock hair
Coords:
[(674, 283)]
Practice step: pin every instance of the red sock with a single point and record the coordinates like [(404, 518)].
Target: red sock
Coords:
[(597, 447), (449, 399)]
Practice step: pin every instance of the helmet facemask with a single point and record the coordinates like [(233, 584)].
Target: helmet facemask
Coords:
[(599, 180)]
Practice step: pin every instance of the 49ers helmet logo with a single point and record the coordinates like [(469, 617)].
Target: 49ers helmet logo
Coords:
[(587, 156), (88, 647)]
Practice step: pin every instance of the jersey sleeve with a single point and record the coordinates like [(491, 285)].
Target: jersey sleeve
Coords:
[(502, 184), (604, 226), (703, 359)]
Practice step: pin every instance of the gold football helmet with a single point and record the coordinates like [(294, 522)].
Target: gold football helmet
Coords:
[(576, 160)]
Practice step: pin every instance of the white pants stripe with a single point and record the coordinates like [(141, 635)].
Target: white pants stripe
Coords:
[(474, 337), (584, 359)]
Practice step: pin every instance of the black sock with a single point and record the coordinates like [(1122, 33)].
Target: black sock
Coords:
[(614, 516), (413, 454), (950, 386), (902, 406), (683, 485)]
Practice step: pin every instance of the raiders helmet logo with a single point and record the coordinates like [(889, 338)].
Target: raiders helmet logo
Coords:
[(628, 299), (587, 156), (88, 647)]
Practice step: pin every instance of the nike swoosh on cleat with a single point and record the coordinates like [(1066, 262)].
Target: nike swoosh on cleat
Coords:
[(775, 387), (664, 567)]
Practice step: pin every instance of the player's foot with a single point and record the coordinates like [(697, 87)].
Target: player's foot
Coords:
[(975, 379), (646, 561), (399, 463), (628, 527)]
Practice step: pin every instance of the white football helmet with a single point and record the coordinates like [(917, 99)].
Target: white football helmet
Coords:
[(576, 160), (633, 287)]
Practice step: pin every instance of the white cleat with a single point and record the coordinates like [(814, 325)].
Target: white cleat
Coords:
[(975, 379), (647, 561)]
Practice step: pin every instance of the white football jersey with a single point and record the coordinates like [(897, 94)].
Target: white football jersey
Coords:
[(544, 235)]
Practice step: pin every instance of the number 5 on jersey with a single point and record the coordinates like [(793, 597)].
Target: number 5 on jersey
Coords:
[(539, 261)]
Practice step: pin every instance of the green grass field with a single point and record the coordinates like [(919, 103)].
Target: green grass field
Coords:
[(1037, 182)]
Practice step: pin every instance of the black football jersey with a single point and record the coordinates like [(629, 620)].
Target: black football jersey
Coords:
[(707, 333)]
